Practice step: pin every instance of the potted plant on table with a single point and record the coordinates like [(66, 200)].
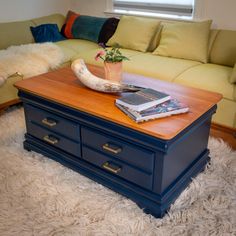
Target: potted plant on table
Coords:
[(113, 59)]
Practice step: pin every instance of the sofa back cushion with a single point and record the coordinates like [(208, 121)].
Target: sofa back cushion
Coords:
[(15, 33), (232, 78), (185, 40), (223, 50), (212, 38), (51, 19), (156, 39), (134, 33)]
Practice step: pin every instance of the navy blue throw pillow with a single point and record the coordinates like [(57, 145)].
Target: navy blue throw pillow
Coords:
[(46, 33)]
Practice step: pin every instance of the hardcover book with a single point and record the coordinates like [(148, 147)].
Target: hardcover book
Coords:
[(143, 99), (168, 108)]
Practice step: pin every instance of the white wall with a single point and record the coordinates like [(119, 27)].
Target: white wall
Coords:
[(14, 10), (89, 7), (222, 12)]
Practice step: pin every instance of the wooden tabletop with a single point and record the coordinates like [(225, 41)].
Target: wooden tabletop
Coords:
[(63, 87)]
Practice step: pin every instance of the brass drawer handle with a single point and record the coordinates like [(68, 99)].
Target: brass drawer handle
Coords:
[(111, 168), (113, 149), (49, 122), (50, 139)]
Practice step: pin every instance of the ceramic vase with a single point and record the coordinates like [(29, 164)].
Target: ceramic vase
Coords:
[(113, 71)]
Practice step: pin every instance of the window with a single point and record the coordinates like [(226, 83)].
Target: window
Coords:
[(155, 7)]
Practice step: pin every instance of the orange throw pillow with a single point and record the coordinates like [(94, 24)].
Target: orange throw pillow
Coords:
[(70, 19)]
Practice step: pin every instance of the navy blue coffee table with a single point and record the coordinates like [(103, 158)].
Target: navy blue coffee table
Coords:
[(150, 163)]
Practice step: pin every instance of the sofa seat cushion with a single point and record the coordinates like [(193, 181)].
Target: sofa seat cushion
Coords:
[(8, 91), (89, 56), (145, 64), (164, 68), (74, 47), (78, 45), (211, 77), (225, 113), (68, 52)]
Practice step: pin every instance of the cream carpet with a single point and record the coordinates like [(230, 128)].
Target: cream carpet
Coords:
[(41, 197)]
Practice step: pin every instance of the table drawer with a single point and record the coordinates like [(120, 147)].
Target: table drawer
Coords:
[(53, 139), (132, 154), (117, 168), (52, 122)]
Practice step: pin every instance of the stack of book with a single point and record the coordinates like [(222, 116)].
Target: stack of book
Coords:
[(148, 104)]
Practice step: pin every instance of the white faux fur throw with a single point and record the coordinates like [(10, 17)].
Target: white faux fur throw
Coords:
[(29, 60)]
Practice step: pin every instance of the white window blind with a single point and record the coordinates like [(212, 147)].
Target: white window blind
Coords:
[(172, 7)]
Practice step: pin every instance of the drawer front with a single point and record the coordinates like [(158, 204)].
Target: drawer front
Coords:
[(53, 122), (117, 168), (132, 154), (53, 139)]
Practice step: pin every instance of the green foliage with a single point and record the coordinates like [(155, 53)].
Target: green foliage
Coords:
[(111, 55)]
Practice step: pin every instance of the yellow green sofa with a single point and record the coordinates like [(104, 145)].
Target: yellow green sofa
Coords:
[(213, 75)]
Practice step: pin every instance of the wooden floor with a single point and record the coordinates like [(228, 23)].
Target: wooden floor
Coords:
[(225, 133)]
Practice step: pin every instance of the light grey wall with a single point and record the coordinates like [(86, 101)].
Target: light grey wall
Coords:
[(222, 12), (14, 10), (89, 7)]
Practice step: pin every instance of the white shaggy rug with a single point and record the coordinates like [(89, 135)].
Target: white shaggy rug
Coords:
[(41, 197), (29, 59)]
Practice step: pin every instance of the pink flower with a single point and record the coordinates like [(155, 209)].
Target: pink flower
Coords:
[(99, 55)]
